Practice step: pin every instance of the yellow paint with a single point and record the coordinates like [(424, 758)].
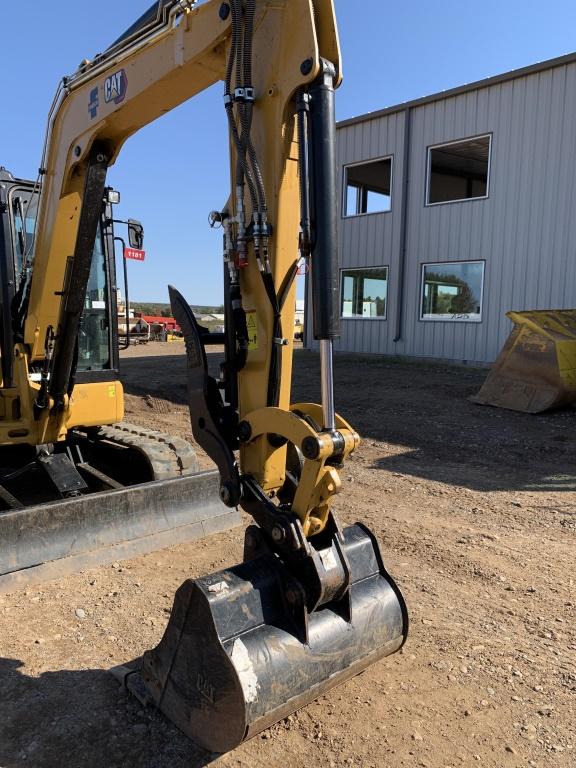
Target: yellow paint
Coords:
[(319, 482), (252, 325), (94, 404)]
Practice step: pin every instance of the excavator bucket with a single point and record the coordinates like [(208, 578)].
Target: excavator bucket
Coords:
[(536, 369), (241, 651)]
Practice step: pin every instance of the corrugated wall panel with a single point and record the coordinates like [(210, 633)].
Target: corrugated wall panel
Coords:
[(524, 231), (562, 291), (373, 239)]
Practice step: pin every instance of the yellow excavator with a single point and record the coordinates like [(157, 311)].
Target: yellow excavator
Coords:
[(311, 604), (79, 486)]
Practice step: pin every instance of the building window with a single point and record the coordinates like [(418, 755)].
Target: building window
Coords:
[(458, 171), (367, 187), (452, 291), (364, 292)]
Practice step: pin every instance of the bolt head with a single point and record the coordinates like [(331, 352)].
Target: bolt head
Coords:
[(306, 66), (277, 533), (310, 448), (224, 11), (244, 431)]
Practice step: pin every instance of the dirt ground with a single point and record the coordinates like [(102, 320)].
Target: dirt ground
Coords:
[(475, 509)]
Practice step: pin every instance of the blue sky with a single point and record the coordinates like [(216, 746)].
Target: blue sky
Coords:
[(175, 171)]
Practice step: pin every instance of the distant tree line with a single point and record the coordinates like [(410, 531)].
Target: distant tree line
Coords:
[(163, 310)]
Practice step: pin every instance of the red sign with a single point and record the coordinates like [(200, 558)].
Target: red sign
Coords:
[(134, 253)]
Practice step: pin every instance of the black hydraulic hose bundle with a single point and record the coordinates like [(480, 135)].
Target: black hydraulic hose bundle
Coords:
[(243, 170), (237, 344), (315, 121), (245, 102), (248, 172)]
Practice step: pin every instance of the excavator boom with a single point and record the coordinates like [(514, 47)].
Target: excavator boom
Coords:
[(312, 603)]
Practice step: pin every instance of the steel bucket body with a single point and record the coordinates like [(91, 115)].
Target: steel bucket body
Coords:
[(233, 660), (536, 368)]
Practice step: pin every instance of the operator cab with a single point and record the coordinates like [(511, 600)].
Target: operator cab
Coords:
[(97, 357)]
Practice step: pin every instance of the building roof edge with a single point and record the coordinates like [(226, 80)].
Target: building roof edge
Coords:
[(513, 74)]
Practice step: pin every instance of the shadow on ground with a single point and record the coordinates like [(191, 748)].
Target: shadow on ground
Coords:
[(162, 375), (83, 719), (421, 409)]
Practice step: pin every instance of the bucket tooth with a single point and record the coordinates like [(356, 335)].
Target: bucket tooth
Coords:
[(232, 661)]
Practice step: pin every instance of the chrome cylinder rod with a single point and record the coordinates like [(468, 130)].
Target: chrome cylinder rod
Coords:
[(327, 379)]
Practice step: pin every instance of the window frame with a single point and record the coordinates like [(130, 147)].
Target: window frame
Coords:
[(428, 319), (383, 317), (427, 203), (14, 191), (345, 167)]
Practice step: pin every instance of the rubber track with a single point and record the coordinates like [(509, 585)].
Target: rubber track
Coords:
[(168, 456)]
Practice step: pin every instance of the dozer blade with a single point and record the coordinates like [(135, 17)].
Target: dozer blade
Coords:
[(237, 655), (536, 369), (46, 541)]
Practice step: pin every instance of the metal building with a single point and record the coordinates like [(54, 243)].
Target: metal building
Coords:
[(456, 208)]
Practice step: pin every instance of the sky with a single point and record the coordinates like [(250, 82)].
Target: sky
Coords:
[(175, 171)]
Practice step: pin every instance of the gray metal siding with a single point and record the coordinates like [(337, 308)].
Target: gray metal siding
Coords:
[(372, 239), (524, 231)]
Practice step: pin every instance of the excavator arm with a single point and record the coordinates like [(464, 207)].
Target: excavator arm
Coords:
[(177, 50), (307, 592)]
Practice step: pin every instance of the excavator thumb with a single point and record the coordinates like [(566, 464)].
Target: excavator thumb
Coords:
[(536, 369), (242, 650)]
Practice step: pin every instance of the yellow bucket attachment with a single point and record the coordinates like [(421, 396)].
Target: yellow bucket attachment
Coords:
[(536, 369)]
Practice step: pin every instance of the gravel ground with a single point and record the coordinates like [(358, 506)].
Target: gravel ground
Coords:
[(475, 510)]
